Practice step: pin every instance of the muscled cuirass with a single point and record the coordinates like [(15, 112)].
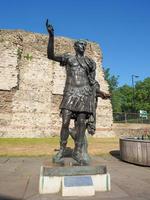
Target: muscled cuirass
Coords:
[(76, 73)]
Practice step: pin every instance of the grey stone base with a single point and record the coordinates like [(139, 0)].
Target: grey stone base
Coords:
[(73, 180)]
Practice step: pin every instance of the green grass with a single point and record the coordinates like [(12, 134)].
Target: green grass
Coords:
[(14, 141), (45, 146), (52, 140)]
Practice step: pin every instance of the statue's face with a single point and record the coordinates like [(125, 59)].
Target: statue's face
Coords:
[(80, 47)]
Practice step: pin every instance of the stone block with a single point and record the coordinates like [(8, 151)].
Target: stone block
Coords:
[(73, 180), (74, 170), (49, 184), (101, 182)]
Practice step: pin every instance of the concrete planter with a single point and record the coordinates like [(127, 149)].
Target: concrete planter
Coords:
[(135, 151)]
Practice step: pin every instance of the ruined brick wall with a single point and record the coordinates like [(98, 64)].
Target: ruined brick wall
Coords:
[(31, 86)]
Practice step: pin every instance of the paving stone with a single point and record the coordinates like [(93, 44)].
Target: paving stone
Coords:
[(13, 187), (19, 177), (32, 188), (3, 160), (35, 197)]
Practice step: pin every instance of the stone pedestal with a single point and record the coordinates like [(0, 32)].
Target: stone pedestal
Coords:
[(73, 180)]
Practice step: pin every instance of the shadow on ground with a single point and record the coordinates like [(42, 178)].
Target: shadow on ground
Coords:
[(2, 197), (115, 153)]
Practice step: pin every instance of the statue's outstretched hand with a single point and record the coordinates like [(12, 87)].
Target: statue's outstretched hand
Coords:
[(50, 28), (103, 95), (106, 95)]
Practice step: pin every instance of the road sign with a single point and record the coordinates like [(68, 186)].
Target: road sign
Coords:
[(143, 114)]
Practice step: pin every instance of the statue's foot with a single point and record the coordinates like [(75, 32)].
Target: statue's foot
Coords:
[(76, 155), (58, 157), (82, 159), (86, 159), (67, 152)]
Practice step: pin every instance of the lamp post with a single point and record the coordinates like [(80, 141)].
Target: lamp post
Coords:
[(133, 90)]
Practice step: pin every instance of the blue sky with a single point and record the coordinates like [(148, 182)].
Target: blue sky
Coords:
[(120, 27)]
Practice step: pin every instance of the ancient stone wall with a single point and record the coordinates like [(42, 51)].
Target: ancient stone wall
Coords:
[(31, 86)]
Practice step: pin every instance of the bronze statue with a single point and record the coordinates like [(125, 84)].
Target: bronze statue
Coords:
[(79, 99)]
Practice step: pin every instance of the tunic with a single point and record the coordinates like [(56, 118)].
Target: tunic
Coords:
[(80, 75)]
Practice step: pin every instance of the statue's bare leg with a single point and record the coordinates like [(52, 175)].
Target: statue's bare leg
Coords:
[(64, 134), (81, 127), (81, 121)]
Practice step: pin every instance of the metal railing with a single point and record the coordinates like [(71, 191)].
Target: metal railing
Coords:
[(130, 118)]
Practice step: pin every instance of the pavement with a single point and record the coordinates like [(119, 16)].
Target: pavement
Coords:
[(19, 180)]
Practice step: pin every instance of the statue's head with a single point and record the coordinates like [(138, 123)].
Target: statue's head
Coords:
[(80, 46)]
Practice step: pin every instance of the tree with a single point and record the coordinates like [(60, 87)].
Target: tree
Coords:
[(116, 100), (111, 79), (142, 95), (122, 97), (113, 85), (126, 96)]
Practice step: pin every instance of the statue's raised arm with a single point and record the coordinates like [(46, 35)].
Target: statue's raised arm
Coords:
[(50, 47)]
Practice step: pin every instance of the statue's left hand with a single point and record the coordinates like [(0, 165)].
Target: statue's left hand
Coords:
[(103, 95), (106, 95)]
